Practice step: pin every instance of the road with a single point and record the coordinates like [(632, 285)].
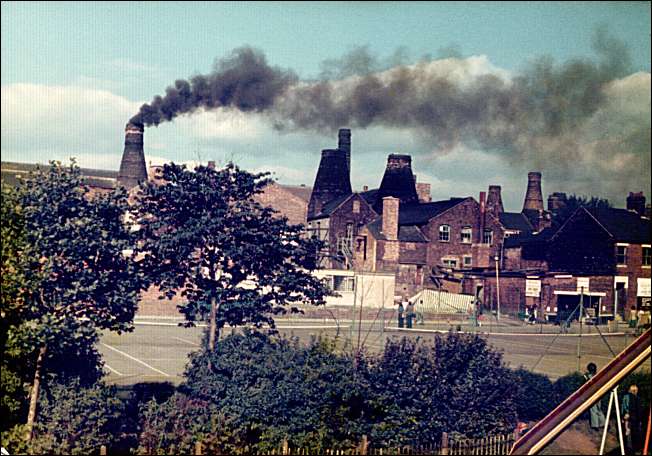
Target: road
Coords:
[(157, 350)]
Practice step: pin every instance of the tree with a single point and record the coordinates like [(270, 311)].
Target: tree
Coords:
[(74, 251), (204, 237), (574, 202)]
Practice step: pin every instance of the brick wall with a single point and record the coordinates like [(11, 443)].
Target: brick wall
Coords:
[(289, 205), (345, 215)]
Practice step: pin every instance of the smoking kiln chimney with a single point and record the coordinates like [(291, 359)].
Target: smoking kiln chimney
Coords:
[(533, 196), (398, 181), (132, 167), (333, 180), (344, 144), (494, 203)]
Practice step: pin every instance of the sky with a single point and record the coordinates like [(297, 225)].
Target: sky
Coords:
[(478, 93)]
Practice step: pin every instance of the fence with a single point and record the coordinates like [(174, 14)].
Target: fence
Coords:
[(491, 445)]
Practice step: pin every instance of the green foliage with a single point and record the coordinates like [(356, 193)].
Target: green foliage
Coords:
[(576, 201), (77, 420), (457, 384), (567, 385), (180, 422), (272, 387), (204, 236), (13, 439), (535, 396)]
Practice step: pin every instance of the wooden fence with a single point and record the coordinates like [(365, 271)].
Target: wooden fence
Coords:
[(492, 445)]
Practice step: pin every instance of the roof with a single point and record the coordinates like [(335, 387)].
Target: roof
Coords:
[(529, 238), (330, 207), (12, 172), (300, 191), (405, 233), (515, 221), (623, 225), (421, 213)]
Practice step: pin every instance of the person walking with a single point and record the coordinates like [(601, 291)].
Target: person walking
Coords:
[(410, 314), (401, 310), (632, 413), (596, 414)]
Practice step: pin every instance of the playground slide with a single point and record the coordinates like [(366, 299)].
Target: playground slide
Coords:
[(603, 382)]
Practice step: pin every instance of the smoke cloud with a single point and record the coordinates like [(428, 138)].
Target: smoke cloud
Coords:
[(548, 115)]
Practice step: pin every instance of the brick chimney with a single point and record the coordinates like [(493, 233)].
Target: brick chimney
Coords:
[(390, 218), (344, 144), (533, 196), (423, 191), (483, 211), (494, 203), (332, 181), (636, 202), (556, 202), (133, 169), (398, 181)]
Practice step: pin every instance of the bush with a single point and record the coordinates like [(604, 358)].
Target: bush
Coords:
[(77, 420), (535, 396), (272, 387), (567, 385), (457, 384)]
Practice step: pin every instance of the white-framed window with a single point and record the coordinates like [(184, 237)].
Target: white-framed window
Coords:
[(449, 262), (488, 237), (356, 207), (647, 258), (466, 235), (444, 233), (343, 283), (621, 255), (467, 261)]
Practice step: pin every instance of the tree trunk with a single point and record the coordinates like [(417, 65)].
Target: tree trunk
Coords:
[(33, 395)]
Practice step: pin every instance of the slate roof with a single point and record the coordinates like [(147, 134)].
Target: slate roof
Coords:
[(515, 221), (421, 213), (623, 225), (529, 238), (405, 233)]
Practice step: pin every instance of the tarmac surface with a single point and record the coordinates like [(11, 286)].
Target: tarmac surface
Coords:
[(157, 350)]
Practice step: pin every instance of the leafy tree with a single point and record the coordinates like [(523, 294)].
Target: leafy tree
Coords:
[(73, 250), (272, 387), (535, 396), (77, 420), (457, 384), (205, 237), (574, 202)]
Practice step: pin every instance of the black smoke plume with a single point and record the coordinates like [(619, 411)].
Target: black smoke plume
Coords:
[(242, 81)]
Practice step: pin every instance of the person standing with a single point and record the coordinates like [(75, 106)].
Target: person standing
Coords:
[(401, 310), (633, 418), (597, 416), (410, 314)]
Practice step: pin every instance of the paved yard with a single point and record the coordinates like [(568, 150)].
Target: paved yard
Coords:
[(158, 350)]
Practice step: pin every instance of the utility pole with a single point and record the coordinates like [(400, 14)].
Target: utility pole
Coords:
[(579, 338), (496, 259)]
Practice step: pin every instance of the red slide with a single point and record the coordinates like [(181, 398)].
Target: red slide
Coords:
[(603, 382)]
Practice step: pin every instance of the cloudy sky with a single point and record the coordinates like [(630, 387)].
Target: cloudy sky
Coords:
[(477, 93)]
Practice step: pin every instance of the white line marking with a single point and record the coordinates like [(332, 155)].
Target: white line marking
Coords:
[(187, 341), (479, 333), (113, 370), (136, 359)]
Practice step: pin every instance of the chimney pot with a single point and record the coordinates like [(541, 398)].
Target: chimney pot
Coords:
[(636, 202)]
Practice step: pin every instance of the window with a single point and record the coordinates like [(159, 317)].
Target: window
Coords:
[(647, 260), (356, 207), (487, 237), (444, 233), (449, 262), (468, 261), (343, 283), (621, 255), (467, 235)]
